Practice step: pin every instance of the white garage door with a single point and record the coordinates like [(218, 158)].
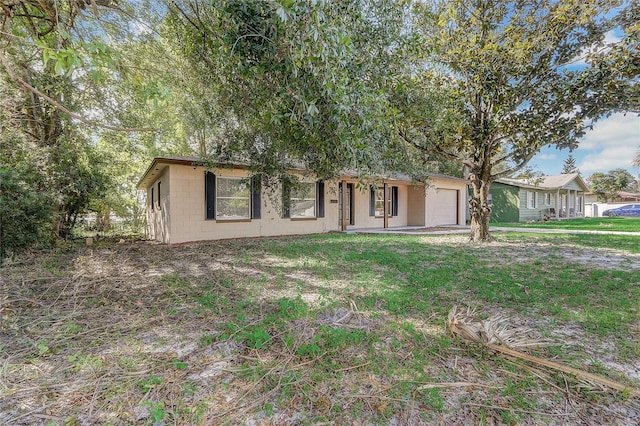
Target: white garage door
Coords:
[(445, 209)]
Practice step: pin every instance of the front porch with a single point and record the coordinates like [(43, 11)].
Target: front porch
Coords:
[(569, 204)]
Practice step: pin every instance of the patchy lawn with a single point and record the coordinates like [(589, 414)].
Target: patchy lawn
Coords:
[(343, 329), (618, 224)]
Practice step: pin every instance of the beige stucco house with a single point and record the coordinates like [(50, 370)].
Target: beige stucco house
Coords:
[(188, 202)]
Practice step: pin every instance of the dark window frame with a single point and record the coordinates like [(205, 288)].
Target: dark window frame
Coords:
[(210, 195)]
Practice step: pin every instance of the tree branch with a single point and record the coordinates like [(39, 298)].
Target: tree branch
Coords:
[(20, 82), (434, 150)]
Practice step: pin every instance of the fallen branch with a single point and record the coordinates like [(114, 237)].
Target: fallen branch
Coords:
[(631, 391), (453, 385), (494, 335)]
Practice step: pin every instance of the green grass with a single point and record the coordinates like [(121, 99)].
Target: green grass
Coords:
[(328, 328), (619, 224)]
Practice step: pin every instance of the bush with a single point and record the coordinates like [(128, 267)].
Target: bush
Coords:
[(25, 214)]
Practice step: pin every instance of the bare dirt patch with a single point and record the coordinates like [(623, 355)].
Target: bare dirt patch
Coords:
[(147, 334)]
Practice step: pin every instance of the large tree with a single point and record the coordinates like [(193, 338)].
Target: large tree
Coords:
[(608, 185), (513, 76), (59, 62), (569, 165), (295, 82)]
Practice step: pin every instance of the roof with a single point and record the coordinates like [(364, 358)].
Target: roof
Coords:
[(158, 165), (547, 182)]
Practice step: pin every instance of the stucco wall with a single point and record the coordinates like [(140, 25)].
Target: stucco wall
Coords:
[(361, 210), (158, 215), (188, 222), (183, 200), (431, 197), (416, 206)]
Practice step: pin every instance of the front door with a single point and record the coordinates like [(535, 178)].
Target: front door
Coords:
[(349, 204)]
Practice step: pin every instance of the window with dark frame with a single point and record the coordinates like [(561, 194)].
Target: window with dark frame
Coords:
[(376, 206), (302, 203), (232, 198)]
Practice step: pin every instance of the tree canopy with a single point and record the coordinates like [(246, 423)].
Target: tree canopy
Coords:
[(506, 78), (295, 81), (608, 185), (569, 165), (93, 88)]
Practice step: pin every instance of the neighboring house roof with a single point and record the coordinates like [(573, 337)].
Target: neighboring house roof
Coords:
[(548, 182), (632, 196), (159, 163)]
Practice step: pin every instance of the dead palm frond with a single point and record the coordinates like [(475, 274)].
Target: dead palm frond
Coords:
[(493, 330), (494, 334)]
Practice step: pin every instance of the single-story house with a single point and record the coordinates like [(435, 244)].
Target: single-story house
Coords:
[(553, 197), (189, 202)]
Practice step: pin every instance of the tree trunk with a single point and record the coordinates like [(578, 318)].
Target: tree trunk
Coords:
[(479, 209)]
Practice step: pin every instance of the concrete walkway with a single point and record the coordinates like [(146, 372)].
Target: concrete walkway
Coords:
[(464, 229)]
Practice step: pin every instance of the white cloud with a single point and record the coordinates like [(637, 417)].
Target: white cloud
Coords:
[(611, 144)]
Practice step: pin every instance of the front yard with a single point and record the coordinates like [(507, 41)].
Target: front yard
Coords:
[(342, 329), (617, 224)]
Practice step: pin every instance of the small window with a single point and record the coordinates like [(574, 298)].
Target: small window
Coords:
[(531, 197), (303, 201), (490, 200), (379, 206), (377, 201), (547, 198), (233, 198), (153, 200), (159, 200)]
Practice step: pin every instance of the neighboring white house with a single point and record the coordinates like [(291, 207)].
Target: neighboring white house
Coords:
[(188, 202)]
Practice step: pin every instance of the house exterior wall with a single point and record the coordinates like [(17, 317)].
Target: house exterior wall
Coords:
[(416, 206), (432, 200), (536, 213), (189, 221), (180, 214), (159, 214), (505, 200), (362, 214)]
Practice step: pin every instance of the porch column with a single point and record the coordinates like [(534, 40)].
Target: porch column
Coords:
[(386, 206), (344, 220), (574, 204)]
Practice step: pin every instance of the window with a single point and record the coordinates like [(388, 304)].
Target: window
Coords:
[(547, 198), (376, 206), (152, 199), (159, 201), (579, 204), (231, 198), (303, 201), (490, 200), (380, 203), (531, 199)]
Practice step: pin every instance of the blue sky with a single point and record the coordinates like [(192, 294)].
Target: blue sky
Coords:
[(612, 144)]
